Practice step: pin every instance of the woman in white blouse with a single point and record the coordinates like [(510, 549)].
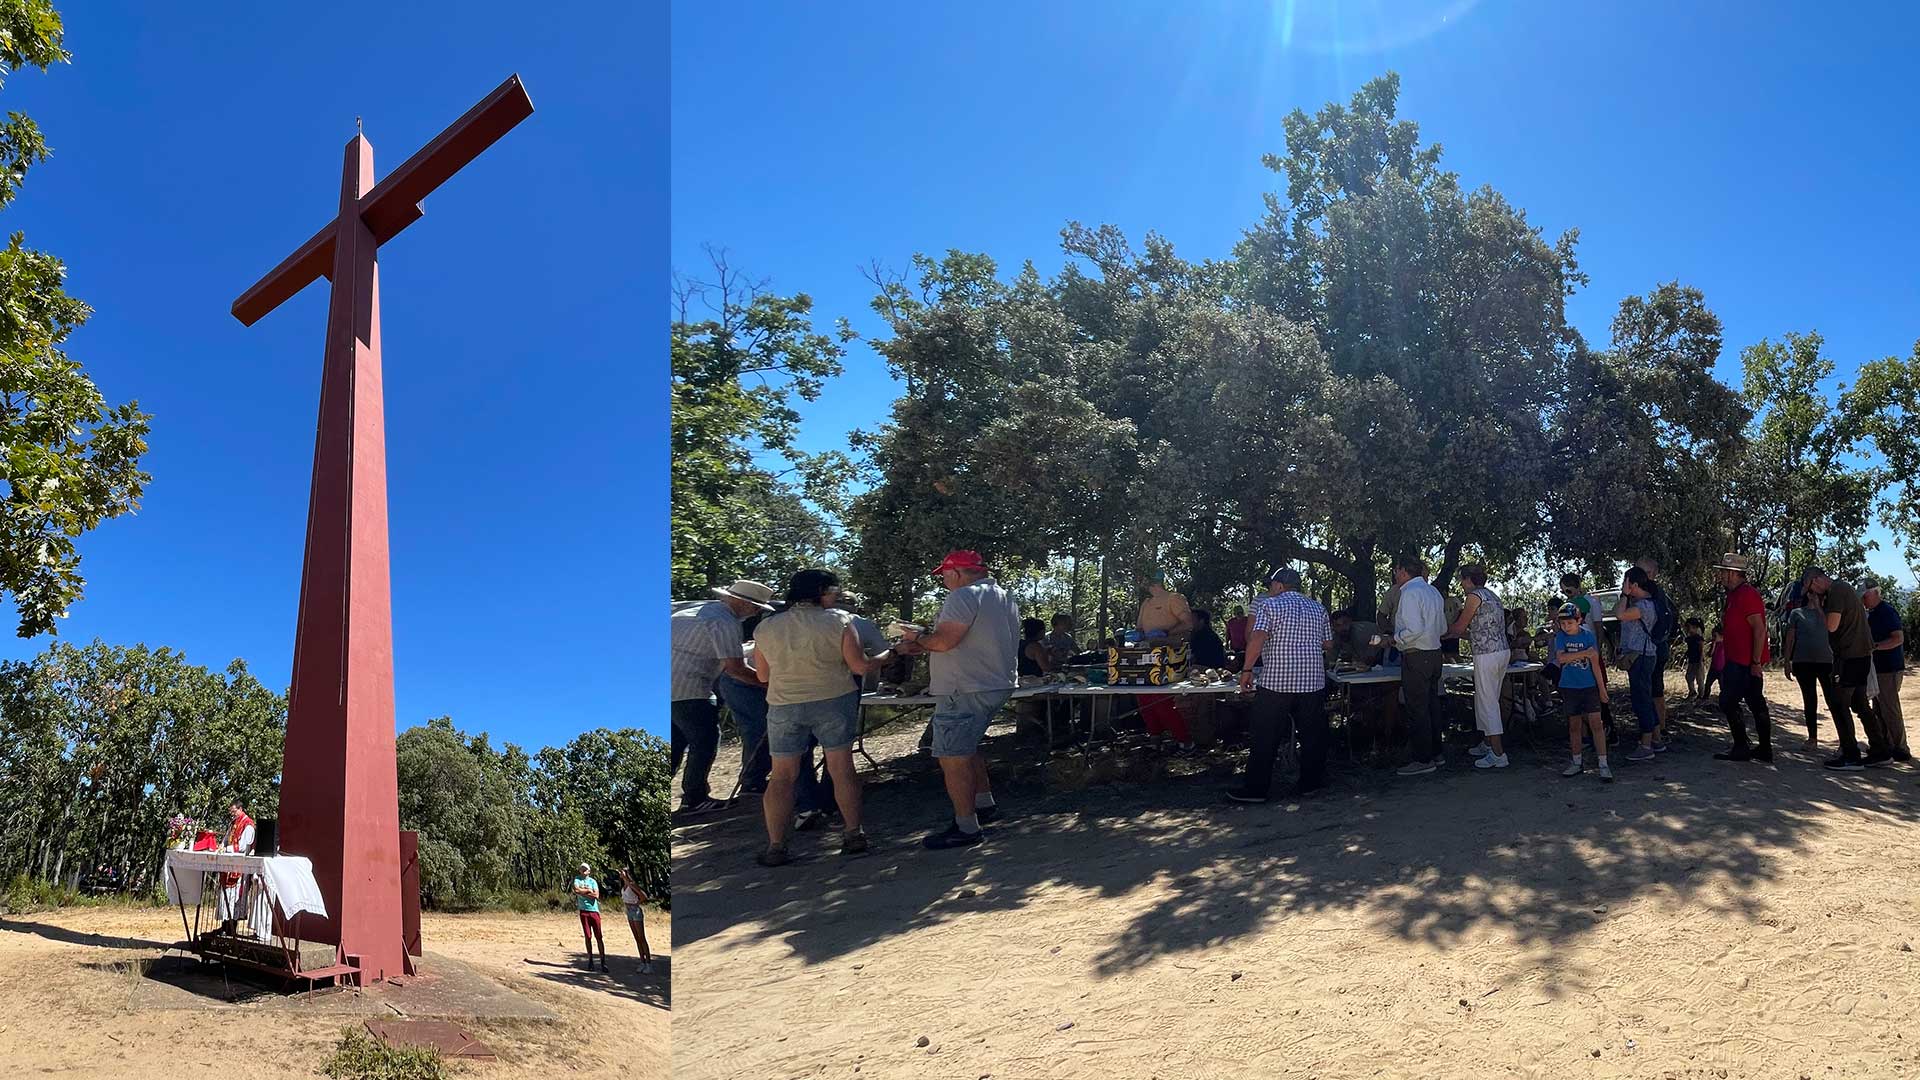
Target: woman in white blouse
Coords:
[(632, 896)]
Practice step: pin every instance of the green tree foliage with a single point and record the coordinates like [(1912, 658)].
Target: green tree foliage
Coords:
[(740, 357), (1651, 447), (1885, 404), (462, 809), (1384, 366), (616, 782), (70, 460), (492, 820), (101, 744), (1805, 486)]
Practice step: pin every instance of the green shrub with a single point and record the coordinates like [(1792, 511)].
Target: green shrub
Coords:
[(360, 1056)]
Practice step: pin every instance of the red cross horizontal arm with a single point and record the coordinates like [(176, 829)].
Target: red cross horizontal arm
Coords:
[(394, 203)]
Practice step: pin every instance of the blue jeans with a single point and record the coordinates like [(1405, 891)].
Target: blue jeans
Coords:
[(1640, 678), (960, 721), (748, 704), (834, 724)]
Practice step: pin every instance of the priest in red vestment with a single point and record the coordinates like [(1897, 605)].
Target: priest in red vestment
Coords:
[(239, 842)]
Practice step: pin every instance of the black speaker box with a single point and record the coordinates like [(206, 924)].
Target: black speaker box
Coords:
[(266, 837)]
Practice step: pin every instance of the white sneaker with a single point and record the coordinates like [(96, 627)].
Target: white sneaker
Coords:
[(1480, 750), (1491, 761), (1606, 775), (1573, 768)]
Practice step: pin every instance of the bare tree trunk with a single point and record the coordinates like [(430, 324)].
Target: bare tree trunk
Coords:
[(1106, 557), (1073, 603)]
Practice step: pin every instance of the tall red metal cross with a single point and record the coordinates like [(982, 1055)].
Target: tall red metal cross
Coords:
[(339, 799)]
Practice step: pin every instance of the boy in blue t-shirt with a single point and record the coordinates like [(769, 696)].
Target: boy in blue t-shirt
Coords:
[(1582, 687), (586, 897)]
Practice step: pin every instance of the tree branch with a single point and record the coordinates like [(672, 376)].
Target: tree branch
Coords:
[(1449, 561), (1332, 560)]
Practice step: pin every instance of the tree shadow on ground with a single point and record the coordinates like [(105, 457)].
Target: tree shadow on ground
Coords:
[(625, 981), (75, 937), (1425, 859)]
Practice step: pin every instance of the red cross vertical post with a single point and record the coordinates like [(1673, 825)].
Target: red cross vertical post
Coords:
[(339, 798)]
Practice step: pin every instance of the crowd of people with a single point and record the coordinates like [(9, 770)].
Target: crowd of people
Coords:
[(809, 658), (798, 680)]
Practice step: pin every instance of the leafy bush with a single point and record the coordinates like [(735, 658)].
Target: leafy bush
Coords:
[(360, 1056)]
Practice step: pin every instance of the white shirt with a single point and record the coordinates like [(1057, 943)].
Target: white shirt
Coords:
[(702, 638), (1421, 617)]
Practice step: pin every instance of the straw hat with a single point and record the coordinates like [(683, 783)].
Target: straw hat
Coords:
[(751, 591), (1735, 561)]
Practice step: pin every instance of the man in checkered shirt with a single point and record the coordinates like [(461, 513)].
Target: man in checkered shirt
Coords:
[(1291, 637)]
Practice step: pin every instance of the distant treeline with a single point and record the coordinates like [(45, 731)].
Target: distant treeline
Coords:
[(100, 745)]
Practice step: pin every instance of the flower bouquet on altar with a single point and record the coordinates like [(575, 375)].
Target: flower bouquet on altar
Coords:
[(181, 830)]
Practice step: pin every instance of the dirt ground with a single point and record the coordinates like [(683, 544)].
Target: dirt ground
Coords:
[(68, 1001), (1694, 919)]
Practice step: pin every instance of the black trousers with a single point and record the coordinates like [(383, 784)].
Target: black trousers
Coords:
[(1853, 699), (696, 738), (1273, 713), (1740, 685), (1816, 681), (1420, 680), (813, 789)]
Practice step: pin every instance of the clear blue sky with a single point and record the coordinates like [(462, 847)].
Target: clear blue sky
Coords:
[(194, 147), (1763, 153)]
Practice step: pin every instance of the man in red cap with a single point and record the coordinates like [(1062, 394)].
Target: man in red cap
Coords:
[(972, 661)]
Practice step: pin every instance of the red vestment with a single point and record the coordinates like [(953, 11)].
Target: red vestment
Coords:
[(240, 826)]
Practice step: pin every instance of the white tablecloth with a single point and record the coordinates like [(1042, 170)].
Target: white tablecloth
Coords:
[(1090, 690), (872, 700), (1448, 671), (289, 878)]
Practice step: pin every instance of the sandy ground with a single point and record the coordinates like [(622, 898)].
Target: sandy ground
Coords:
[(1694, 919), (65, 1010)]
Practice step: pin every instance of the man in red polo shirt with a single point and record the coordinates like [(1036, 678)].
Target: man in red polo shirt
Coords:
[(1747, 653)]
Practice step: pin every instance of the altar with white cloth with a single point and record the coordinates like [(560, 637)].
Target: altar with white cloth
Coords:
[(267, 882)]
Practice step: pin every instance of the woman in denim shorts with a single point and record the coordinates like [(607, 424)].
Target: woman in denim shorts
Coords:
[(632, 896), (809, 655)]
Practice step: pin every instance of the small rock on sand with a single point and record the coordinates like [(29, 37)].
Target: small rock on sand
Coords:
[(1064, 1027), (922, 1041)]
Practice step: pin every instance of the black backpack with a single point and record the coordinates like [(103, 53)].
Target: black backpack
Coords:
[(1664, 617)]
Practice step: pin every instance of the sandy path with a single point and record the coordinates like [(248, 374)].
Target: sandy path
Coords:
[(63, 1011), (1694, 919)]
